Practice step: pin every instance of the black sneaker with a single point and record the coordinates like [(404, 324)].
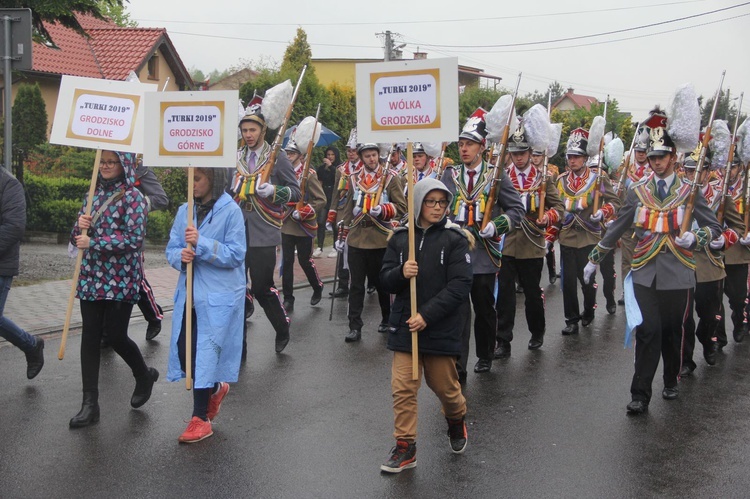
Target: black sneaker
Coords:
[(403, 457), (153, 330), (35, 359), (457, 435), (370, 290)]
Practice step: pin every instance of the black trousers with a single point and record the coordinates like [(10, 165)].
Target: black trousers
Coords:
[(708, 297), (201, 396), (261, 263), (151, 310), (660, 335), (735, 287), (550, 257), (485, 319), (609, 277), (116, 316), (303, 244), (529, 273), (572, 261), (365, 264)]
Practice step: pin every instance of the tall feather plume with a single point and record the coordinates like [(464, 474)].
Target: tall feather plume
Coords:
[(385, 149), (555, 132), (596, 132), (608, 137), (684, 119), (613, 153), (276, 102), (304, 132), (721, 137), (743, 144), (496, 119), (432, 148), (536, 125)]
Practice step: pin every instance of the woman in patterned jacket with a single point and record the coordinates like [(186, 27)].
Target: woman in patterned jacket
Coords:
[(111, 238)]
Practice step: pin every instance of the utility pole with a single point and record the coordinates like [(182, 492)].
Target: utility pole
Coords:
[(388, 46)]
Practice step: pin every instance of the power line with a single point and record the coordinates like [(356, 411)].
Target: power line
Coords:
[(286, 42), (433, 21), (572, 38)]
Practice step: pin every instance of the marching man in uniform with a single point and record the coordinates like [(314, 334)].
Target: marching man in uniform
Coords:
[(375, 197), (581, 228), (263, 205), (523, 250), (663, 268), (299, 229), (470, 183)]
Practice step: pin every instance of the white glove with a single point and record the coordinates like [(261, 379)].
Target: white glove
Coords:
[(295, 215), (489, 230), (356, 211), (609, 223), (588, 272), (376, 210), (745, 241), (597, 217), (687, 240), (329, 226), (339, 246), (717, 243), (265, 190)]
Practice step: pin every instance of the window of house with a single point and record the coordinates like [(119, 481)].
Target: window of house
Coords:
[(153, 67)]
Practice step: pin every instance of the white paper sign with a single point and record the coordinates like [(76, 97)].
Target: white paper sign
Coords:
[(194, 129), (102, 114), (407, 101)]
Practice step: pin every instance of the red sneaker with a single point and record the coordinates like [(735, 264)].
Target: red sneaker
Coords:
[(214, 403), (196, 430)]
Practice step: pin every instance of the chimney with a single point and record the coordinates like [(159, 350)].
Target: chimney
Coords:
[(420, 55), (570, 90)]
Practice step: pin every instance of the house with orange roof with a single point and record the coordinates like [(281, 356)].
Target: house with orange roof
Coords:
[(109, 52), (571, 100)]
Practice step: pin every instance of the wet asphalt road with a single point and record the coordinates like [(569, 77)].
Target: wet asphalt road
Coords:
[(316, 421)]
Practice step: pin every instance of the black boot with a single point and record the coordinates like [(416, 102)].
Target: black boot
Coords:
[(35, 359), (143, 386), (89, 412)]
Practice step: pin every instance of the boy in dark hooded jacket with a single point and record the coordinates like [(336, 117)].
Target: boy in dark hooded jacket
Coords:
[(443, 270)]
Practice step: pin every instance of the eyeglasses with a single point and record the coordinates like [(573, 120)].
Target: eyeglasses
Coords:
[(111, 164), (430, 203)]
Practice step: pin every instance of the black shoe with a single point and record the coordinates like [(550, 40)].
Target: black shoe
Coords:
[(383, 327), (289, 305), (709, 353), (686, 370), (739, 334), (669, 393), (282, 340), (570, 329), (457, 435), (89, 412), (519, 289), (552, 279), (403, 457), (621, 301), (611, 308), (370, 290), (249, 306), (462, 377), (585, 321), (536, 343), (637, 407), (353, 335), (341, 292), (503, 349), (144, 384), (153, 330), (483, 366), (35, 359), (317, 295)]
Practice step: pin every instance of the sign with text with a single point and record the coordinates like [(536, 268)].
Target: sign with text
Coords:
[(407, 101), (100, 114), (194, 129)]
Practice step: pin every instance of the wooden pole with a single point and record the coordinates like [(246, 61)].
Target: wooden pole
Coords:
[(412, 256), (79, 258), (189, 291)]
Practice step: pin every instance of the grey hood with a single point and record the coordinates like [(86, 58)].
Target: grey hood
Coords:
[(422, 188)]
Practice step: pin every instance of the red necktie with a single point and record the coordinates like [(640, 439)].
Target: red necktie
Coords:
[(470, 187)]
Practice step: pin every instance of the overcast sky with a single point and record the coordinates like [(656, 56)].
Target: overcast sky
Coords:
[(640, 67)]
